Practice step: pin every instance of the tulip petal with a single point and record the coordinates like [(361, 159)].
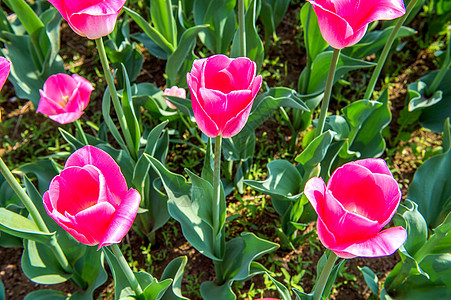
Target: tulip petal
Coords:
[(214, 104), (384, 243), (5, 66), (243, 70), (93, 27), (256, 85), (211, 78), (235, 123), (375, 165), (65, 118), (84, 89), (93, 222), (59, 86), (48, 106), (315, 190), (203, 120), (368, 11), (89, 155), (392, 196), (123, 218), (196, 70)]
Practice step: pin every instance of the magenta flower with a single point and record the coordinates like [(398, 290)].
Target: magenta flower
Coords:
[(222, 92), (5, 66), (90, 199), (176, 92), (343, 23), (64, 97), (359, 200), (90, 18)]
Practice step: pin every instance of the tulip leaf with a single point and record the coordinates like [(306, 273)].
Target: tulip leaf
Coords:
[(374, 41), (431, 187), (46, 295), (40, 265), (300, 295), (106, 104), (184, 206), (283, 290), (320, 69), (370, 279), (44, 170), (314, 41), (27, 16), (19, 226), (174, 270), (316, 150), (210, 291), (181, 60), (163, 20), (254, 45)]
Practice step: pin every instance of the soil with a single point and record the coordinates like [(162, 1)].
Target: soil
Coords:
[(349, 285)]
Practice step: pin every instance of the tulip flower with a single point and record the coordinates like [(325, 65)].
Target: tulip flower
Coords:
[(90, 18), (5, 66), (222, 92), (90, 199), (359, 200), (64, 98), (176, 92), (343, 23)]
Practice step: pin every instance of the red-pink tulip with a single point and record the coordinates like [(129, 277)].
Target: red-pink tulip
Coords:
[(5, 66), (90, 18), (176, 92), (343, 23), (222, 92), (90, 199), (64, 98), (359, 200)]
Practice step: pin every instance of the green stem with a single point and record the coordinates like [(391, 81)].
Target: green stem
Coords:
[(327, 92), (305, 82), (82, 133), (34, 213), (216, 187), (114, 97), (386, 50), (127, 271), (242, 27), (319, 289), (439, 77), (428, 246)]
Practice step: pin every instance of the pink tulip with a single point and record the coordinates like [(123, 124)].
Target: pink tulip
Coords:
[(90, 199), (64, 97), (343, 23), (5, 66), (90, 18), (176, 92), (222, 91), (359, 200)]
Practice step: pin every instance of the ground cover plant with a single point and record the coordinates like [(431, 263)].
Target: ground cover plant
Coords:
[(225, 149)]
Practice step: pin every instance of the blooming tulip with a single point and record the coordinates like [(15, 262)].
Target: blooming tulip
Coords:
[(174, 91), (359, 200), (5, 66), (343, 23), (90, 18), (90, 200), (222, 91), (64, 98)]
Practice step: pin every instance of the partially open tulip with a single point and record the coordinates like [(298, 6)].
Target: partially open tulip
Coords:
[(64, 98), (90, 18), (5, 66), (222, 92), (90, 198), (359, 200), (176, 92), (343, 23)]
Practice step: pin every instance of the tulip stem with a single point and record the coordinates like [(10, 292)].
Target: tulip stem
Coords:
[(242, 27), (37, 218), (114, 97), (127, 271), (325, 273), (82, 133), (216, 186), (386, 50), (327, 93)]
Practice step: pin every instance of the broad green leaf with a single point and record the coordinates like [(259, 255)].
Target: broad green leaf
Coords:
[(40, 265), (19, 226), (314, 41), (174, 270), (431, 186), (210, 291), (300, 295), (320, 69), (316, 150), (163, 20), (370, 279), (2, 291), (46, 295), (283, 290), (272, 12), (44, 170), (418, 100), (106, 105), (27, 16)]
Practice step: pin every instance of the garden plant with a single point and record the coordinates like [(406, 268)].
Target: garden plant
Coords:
[(225, 149)]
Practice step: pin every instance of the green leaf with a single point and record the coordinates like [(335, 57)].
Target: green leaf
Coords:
[(106, 104), (2, 291), (40, 265), (27, 16), (314, 41), (320, 69), (44, 170), (19, 226), (431, 186), (210, 291), (316, 150), (163, 20), (174, 270), (370, 279), (418, 100), (45, 295), (302, 296)]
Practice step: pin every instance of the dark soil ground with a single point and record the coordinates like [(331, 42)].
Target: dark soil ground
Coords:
[(350, 284)]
